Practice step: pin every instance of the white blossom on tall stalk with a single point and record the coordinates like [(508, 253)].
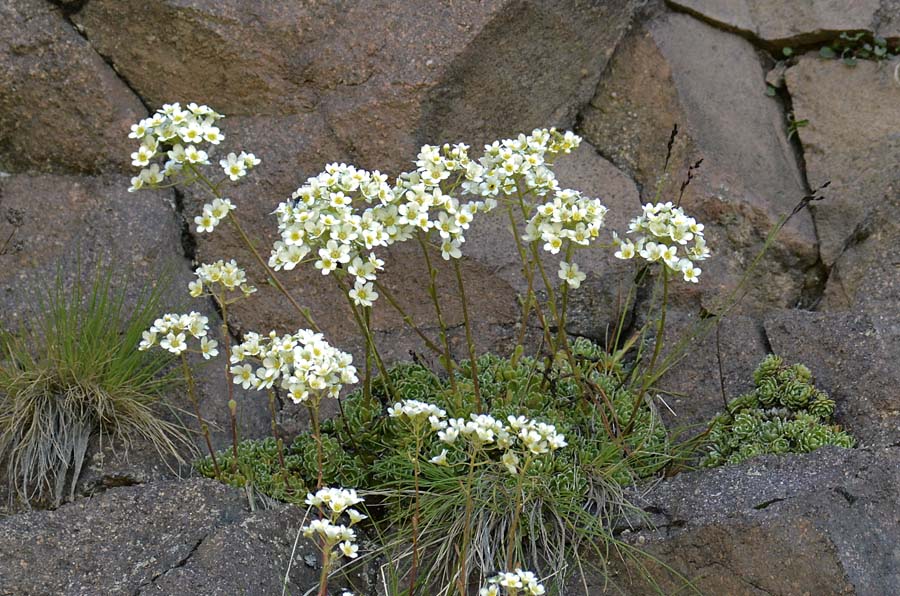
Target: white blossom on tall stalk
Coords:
[(303, 364), (334, 539), (227, 276), (340, 218), (177, 137), (172, 332), (665, 234)]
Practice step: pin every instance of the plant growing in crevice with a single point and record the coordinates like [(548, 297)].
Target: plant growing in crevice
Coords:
[(850, 48), (785, 413), (476, 490), (72, 371)]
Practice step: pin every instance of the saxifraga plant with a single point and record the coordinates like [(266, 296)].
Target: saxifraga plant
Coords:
[(567, 500), (785, 413), (339, 222), (72, 371)]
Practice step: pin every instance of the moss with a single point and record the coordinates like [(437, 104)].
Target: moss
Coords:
[(785, 413)]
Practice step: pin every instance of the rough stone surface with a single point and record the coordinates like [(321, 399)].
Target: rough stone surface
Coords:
[(851, 360), (62, 108), (694, 386), (791, 23), (865, 279), (821, 523), (71, 222), (49, 221), (676, 70), (387, 76), (850, 140), (177, 537)]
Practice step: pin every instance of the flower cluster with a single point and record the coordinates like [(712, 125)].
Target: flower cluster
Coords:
[(663, 230), (525, 159), (339, 218), (570, 216), (520, 436), (175, 330), (213, 214), (177, 135), (228, 276), (416, 411), (306, 365), (334, 502), (515, 582)]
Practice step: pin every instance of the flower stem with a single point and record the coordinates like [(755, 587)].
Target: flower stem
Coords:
[(361, 323), (275, 432), (517, 511), (192, 394), (470, 343), (416, 514), (408, 319), (447, 358), (232, 404), (323, 575), (313, 408), (463, 578), (304, 312), (657, 349)]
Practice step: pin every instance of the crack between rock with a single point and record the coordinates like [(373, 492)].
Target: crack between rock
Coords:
[(67, 14), (802, 43), (817, 274), (178, 564), (744, 33)]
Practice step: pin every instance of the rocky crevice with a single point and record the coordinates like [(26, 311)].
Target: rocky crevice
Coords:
[(177, 565), (67, 12)]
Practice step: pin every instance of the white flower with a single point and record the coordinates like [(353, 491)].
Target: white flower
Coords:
[(234, 167), (691, 273), (571, 274), (626, 250), (174, 343), (195, 288), (363, 293), (206, 222), (243, 376), (440, 459), (510, 461), (208, 347), (148, 341), (349, 549)]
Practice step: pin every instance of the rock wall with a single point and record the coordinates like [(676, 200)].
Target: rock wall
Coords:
[(367, 82)]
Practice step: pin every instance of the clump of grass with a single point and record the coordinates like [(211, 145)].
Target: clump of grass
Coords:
[(72, 371), (785, 413)]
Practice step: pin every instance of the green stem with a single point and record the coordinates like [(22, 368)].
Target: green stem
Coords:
[(517, 511), (416, 515), (275, 433), (304, 312), (447, 358), (470, 343), (527, 270), (367, 334), (313, 408), (657, 349), (232, 404), (192, 395), (408, 319), (326, 563), (463, 578)]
